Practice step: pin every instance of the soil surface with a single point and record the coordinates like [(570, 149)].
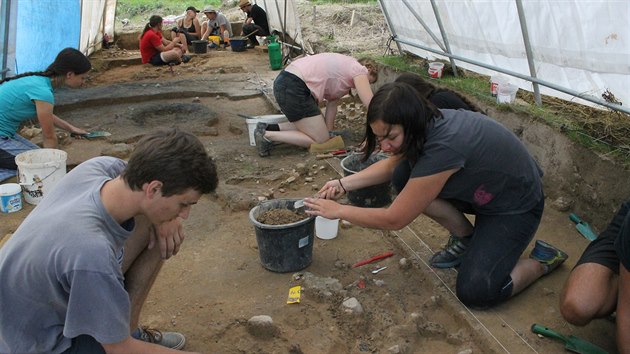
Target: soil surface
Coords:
[(211, 290)]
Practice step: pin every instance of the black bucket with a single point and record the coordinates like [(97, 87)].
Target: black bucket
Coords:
[(283, 248), (376, 196), (200, 46)]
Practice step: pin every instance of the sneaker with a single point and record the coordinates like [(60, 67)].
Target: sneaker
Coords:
[(264, 146), (185, 58), (172, 340), (249, 46), (451, 255), (549, 256)]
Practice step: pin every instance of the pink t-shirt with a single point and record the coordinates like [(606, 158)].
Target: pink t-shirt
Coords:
[(329, 76)]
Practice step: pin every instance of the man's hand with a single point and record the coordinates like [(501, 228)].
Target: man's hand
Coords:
[(170, 236)]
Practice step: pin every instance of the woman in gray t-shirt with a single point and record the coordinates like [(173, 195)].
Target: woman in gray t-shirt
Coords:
[(447, 163)]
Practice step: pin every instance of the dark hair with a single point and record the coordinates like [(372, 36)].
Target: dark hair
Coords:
[(427, 89), (68, 60), (174, 157), (398, 103), (153, 21)]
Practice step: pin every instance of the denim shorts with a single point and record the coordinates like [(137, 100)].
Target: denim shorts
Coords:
[(12, 146), (294, 97)]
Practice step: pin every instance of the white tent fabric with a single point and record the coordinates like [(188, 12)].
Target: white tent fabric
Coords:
[(582, 45), (283, 14), (36, 30)]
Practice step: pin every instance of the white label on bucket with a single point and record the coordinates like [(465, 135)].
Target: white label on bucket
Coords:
[(303, 242)]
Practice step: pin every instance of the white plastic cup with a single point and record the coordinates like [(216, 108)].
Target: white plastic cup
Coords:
[(10, 197), (495, 82), (506, 93), (326, 229), (435, 70)]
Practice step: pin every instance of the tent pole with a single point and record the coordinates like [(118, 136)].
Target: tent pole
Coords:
[(391, 29), (426, 28), (436, 12), (4, 31), (528, 50), (589, 98)]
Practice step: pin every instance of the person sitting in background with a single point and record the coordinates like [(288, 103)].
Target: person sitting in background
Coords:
[(256, 21), (600, 282), (188, 26), (299, 89), (444, 164), (442, 98), (78, 284), (157, 50), (217, 25), (29, 95)]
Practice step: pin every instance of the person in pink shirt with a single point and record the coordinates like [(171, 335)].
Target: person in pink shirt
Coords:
[(300, 88)]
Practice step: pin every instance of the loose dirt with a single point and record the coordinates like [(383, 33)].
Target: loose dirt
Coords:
[(216, 283)]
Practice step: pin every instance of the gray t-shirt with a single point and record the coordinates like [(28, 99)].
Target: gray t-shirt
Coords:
[(60, 273), (497, 174), (218, 21)]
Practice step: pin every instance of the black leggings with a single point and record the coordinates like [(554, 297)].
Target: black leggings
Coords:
[(497, 243)]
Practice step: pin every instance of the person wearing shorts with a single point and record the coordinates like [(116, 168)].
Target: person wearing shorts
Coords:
[(302, 86), (156, 50), (600, 282)]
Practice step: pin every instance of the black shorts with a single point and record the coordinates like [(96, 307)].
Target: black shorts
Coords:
[(157, 60), (294, 97), (602, 250)]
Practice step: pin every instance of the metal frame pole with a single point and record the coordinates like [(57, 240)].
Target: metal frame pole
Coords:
[(4, 31), (426, 28), (528, 49), (436, 12), (391, 29)]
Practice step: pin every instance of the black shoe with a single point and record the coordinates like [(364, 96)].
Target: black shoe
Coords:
[(451, 255), (263, 145), (185, 58)]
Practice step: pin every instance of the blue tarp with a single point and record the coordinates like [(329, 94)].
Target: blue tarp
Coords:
[(44, 27)]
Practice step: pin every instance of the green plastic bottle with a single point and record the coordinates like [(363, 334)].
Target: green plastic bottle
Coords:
[(275, 54)]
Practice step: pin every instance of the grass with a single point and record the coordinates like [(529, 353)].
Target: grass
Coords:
[(141, 10), (601, 130)]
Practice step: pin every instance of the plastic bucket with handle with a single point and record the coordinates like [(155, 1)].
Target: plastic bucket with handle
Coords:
[(39, 171)]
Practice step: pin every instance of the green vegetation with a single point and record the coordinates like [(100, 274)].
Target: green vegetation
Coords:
[(141, 10), (601, 130)]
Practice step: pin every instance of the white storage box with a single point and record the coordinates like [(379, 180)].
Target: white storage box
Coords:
[(269, 119)]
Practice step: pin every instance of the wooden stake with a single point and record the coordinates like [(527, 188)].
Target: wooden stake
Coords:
[(352, 19)]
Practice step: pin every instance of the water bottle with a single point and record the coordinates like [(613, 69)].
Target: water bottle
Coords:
[(275, 54)]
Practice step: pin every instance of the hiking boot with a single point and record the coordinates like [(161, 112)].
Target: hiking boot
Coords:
[(185, 58), (264, 146), (549, 256), (451, 255), (172, 340)]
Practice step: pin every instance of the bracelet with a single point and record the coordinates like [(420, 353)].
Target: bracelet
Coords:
[(341, 185)]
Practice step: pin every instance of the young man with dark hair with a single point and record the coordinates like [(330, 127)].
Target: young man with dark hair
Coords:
[(77, 271)]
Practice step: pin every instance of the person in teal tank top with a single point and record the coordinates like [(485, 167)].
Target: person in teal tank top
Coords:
[(30, 95)]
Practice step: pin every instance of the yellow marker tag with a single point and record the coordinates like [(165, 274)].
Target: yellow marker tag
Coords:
[(294, 295)]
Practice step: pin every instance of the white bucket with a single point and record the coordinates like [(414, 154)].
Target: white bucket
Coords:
[(39, 170), (10, 198), (506, 93), (269, 119), (435, 70), (326, 229), (495, 82)]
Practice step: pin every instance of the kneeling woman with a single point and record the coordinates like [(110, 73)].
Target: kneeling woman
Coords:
[(446, 163), (31, 95)]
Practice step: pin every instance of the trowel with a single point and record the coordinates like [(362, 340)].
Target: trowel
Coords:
[(91, 135), (571, 343), (583, 227)]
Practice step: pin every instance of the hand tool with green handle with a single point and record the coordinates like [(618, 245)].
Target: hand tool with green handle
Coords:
[(571, 343), (583, 227)]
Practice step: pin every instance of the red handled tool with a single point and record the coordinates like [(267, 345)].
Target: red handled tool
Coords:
[(373, 259)]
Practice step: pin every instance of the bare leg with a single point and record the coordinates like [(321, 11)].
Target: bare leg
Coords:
[(525, 272), (309, 130), (140, 267), (589, 292), (172, 55), (453, 220)]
